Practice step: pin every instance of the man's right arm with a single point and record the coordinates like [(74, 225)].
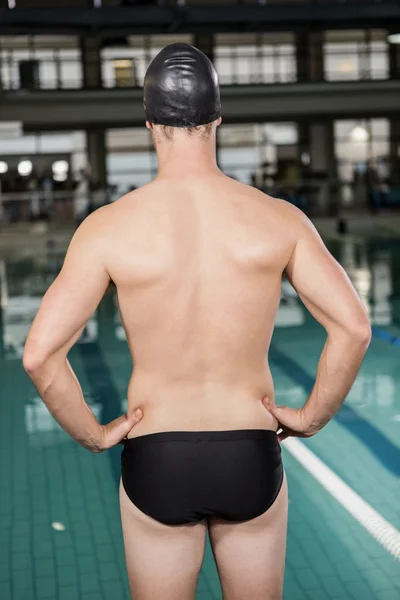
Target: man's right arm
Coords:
[(327, 292)]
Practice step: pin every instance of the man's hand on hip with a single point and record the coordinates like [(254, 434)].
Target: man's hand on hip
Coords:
[(114, 432), (291, 420)]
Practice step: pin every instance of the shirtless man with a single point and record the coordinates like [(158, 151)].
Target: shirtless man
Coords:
[(197, 259)]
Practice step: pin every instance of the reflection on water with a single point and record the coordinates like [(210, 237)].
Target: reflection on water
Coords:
[(382, 290), (353, 258), (291, 313), (38, 419), (370, 269), (378, 389)]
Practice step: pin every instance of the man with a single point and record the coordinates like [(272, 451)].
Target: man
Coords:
[(197, 259)]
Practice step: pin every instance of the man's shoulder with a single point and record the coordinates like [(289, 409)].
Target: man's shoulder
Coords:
[(281, 208), (130, 199), (116, 210)]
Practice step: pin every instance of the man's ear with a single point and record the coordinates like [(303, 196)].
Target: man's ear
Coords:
[(149, 125), (219, 121)]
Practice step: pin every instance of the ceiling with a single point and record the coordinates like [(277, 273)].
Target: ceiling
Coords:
[(167, 17)]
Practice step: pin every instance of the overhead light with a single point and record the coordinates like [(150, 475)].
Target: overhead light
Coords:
[(393, 38), (305, 159), (25, 168), (359, 134), (60, 167), (60, 176), (123, 63), (3, 167), (346, 66)]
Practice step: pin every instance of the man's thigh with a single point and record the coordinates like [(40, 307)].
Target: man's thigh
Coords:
[(163, 561), (250, 555)]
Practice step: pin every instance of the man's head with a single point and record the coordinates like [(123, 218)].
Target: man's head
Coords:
[(181, 91)]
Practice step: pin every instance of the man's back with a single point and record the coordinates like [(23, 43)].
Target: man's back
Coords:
[(198, 267)]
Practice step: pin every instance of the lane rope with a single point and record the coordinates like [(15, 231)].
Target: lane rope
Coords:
[(380, 529)]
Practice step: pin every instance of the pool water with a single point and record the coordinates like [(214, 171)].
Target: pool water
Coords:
[(60, 528)]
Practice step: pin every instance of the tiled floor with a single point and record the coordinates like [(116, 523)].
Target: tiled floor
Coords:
[(60, 532)]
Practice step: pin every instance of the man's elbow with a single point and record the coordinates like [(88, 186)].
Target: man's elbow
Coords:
[(355, 331), (33, 359)]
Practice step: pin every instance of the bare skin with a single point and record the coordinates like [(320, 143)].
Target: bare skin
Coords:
[(197, 259)]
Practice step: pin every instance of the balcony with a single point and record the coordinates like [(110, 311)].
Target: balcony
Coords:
[(69, 109)]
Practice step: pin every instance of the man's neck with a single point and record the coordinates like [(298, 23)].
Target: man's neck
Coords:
[(186, 156)]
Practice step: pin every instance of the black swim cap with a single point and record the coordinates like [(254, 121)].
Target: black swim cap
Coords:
[(181, 88)]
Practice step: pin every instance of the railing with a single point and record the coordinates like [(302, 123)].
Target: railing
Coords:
[(23, 207), (313, 196)]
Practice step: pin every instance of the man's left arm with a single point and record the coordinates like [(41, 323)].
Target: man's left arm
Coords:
[(65, 308)]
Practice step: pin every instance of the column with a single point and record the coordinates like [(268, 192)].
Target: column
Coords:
[(302, 56), (395, 150), (310, 56), (323, 167), (303, 147), (205, 43), (394, 61), (96, 155), (91, 61), (316, 56)]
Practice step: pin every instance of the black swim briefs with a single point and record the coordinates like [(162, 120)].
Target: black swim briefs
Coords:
[(179, 477)]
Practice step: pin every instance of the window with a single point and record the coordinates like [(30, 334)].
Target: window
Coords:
[(355, 55), (252, 58)]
